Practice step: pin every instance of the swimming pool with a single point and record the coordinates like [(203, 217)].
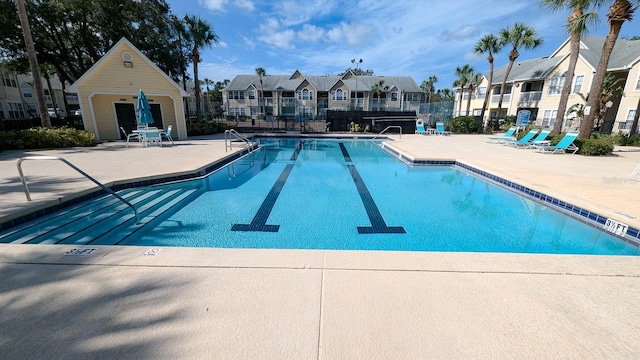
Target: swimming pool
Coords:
[(297, 193)]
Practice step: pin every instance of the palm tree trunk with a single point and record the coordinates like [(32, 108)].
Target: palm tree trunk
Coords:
[(634, 125), (598, 79), (469, 99), (487, 95), (196, 59), (574, 43), (503, 88), (33, 63), (460, 103)]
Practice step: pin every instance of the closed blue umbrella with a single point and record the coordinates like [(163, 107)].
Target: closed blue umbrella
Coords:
[(144, 110)]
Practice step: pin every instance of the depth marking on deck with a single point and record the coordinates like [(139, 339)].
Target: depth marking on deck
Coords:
[(259, 222), (378, 225)]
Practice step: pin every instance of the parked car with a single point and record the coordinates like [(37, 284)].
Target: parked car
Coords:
[(78, 112), (59, 113)]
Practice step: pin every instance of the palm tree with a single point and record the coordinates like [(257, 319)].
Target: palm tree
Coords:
[(619, 12), (519, 36), (576, 26), (206, 83), (378, 90), (201, 35), (261, 72), (474, 80), (428, 87), (464, 75), (489, 44), (33, 63)]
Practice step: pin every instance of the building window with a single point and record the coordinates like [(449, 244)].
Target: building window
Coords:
[(549, 118), (339, 95), (253, 110), (251, 94), (305, 94), (236, 95), (412, 97), (15, 110), (394, 96), (556, 84), (626, 125), (482, 92), (577, 84), (27, 92), (307, 110), (638, 83)]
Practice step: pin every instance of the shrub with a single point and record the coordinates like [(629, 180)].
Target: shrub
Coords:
[(196, 128), (595, 147), (463, 125), (41, 138), (627, 140)]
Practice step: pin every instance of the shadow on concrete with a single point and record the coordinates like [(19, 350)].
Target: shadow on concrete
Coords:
[(74, 311)]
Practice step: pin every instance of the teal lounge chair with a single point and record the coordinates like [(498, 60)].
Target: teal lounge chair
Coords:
[(507, 136), (440, 129), (420, 129), (524, 140), (538, 140), (565, 144), (167, 134)]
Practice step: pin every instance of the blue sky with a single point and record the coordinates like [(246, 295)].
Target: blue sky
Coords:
[(401, 37)]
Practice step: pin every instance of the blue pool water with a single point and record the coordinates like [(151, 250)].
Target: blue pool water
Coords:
[(350, 194)]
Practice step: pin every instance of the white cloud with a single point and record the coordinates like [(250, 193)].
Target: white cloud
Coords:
[(272, 34), (249, 42), (214, 5), (220, 5), (311, 33), (354, 35)]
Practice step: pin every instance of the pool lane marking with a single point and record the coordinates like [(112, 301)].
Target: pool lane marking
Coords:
[(378, 225), (259, 222)]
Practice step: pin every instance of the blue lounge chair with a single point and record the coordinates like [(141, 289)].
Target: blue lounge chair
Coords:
[(565, 144), (507, 136), (420, 129), (524, 140), (440, 129), (538, 140)]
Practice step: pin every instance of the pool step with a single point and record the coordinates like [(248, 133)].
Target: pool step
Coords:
[(104, 220)]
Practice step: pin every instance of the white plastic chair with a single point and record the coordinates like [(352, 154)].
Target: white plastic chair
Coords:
[(130, 136)]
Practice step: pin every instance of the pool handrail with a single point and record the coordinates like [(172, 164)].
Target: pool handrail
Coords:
[(105, 188), (227, 140), (635, 173), (387, 128)]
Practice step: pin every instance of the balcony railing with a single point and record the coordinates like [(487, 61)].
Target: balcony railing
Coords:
[(530, 97), (505, 99)]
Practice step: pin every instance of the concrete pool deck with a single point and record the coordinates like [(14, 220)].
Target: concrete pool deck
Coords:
[(311, 304)]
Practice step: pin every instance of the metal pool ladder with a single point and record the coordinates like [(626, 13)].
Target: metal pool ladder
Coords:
[(105, 188), (227, 140), (387, 128)]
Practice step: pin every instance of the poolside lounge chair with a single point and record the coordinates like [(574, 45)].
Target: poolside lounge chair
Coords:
[(525, 139), (507, 136), (440, 129), (538, 140), (565, 144), (131, 136), (167, 134), (420, 128)]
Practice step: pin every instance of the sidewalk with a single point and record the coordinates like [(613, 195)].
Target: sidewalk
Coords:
[(186, 303)]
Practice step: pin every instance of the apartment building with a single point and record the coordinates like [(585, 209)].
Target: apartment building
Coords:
[(301, 95), (536, 85)]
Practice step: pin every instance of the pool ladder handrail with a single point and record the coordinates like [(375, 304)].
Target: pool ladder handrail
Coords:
[(387, 128), (232, 132), (635, 173), (105, 188)]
